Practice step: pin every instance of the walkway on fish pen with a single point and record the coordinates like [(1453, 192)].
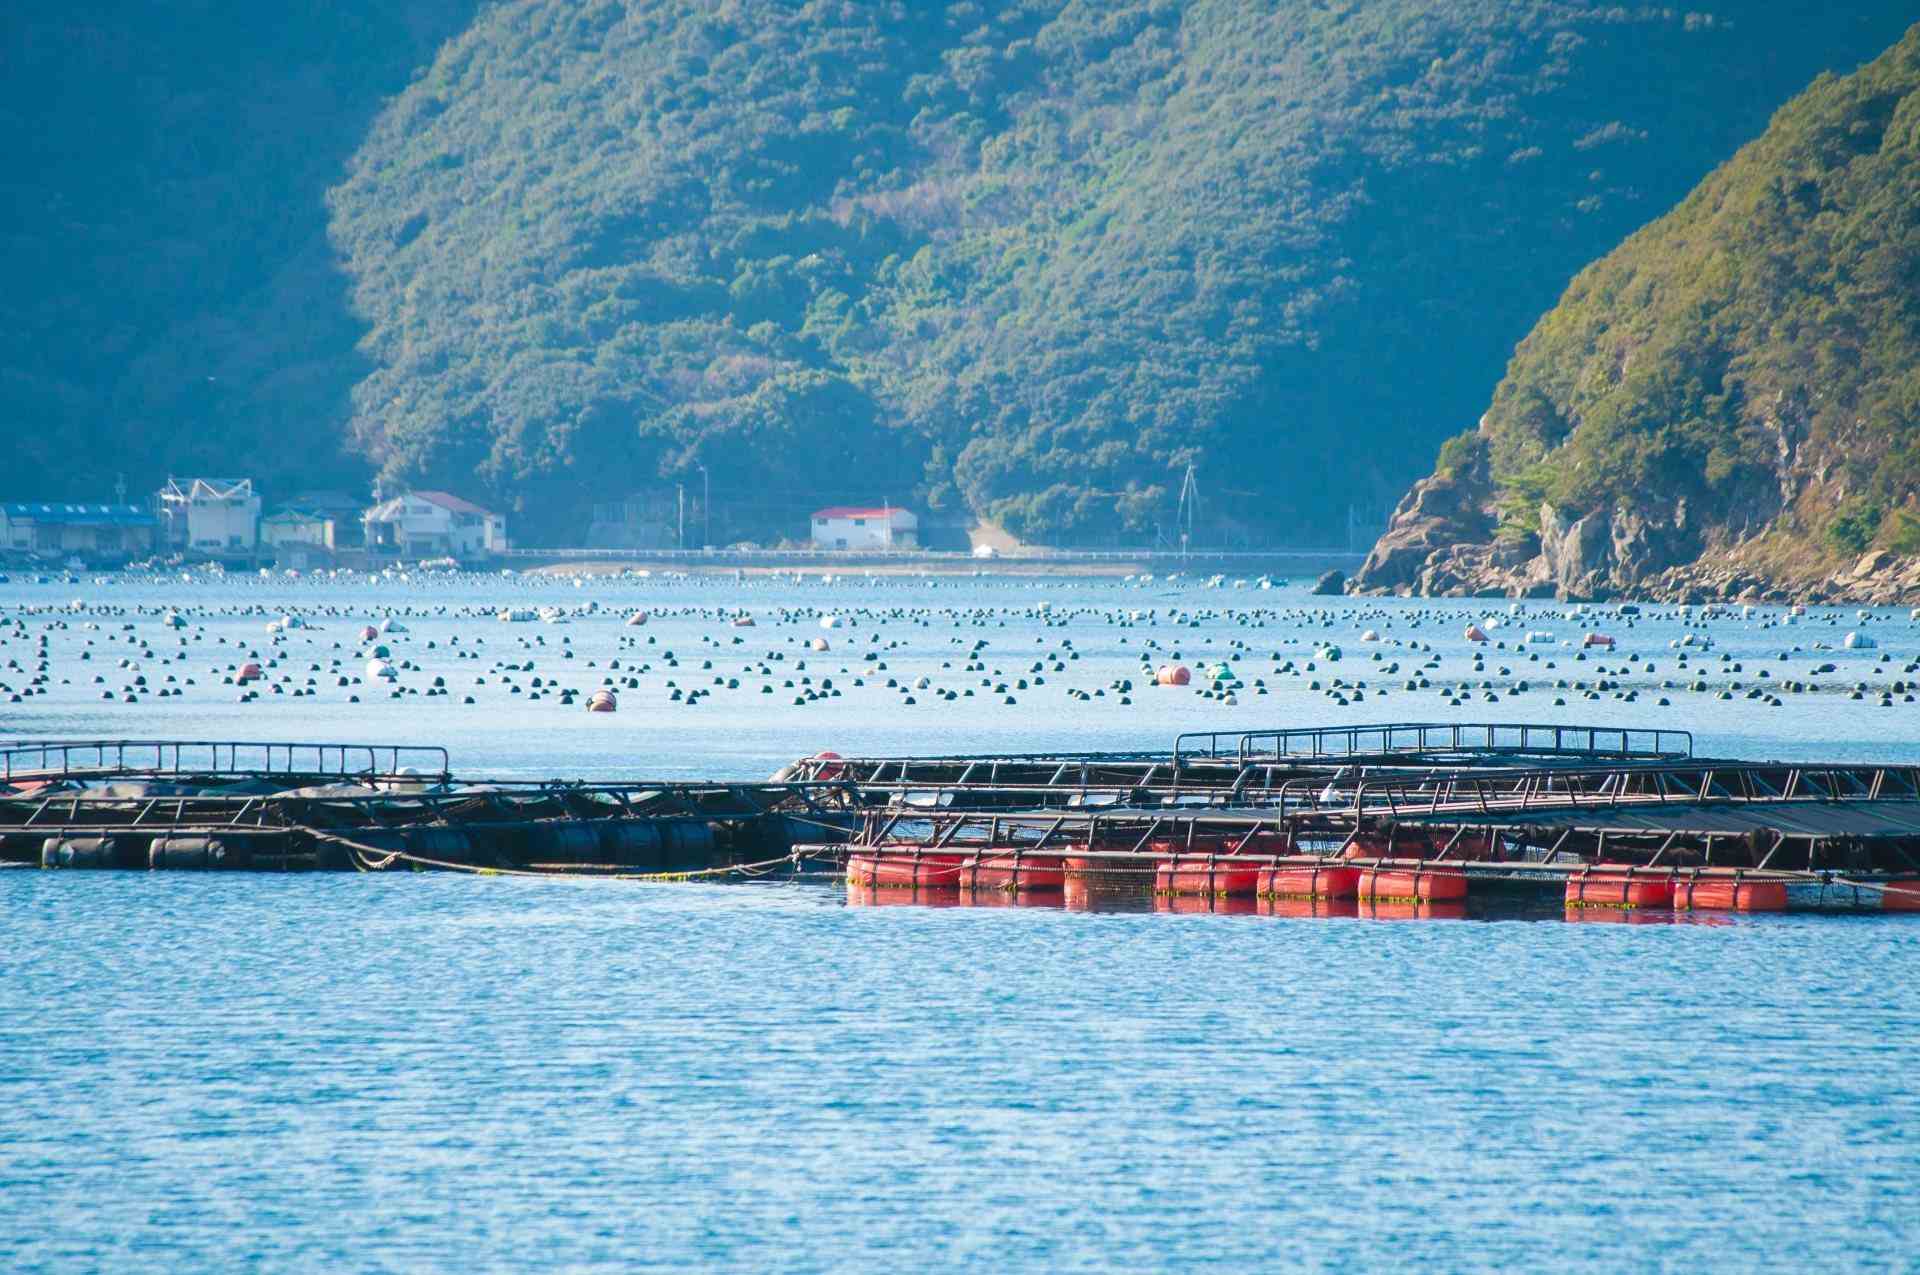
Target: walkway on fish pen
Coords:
[(1424, 811)]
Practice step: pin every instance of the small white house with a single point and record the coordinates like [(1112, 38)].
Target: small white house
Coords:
[(209, 515), (851, 527), (294, 526), (434, 524)]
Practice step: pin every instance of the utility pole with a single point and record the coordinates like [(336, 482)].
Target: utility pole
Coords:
[(706, 510), (680, 496), (1189, 508)]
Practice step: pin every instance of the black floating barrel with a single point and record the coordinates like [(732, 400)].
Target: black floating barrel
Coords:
[(84, 852), (630, 843), (197, 854), (445, 845), (564, 841), (687, 840)]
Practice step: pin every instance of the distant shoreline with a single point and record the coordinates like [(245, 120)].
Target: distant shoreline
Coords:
[(1295, 565)]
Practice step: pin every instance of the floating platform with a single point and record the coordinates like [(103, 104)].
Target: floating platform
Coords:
[(359, 807), (1581, 818)]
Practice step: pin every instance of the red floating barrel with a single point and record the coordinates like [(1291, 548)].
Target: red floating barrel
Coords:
[(1418, 885), (1901, 896), (903, 869), (1729, 894), (1608, 885), (1079, 895), (1005, 869), (1205, 874), (1309, 881)]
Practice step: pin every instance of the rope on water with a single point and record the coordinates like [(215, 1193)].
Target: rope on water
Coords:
[(368, 858)]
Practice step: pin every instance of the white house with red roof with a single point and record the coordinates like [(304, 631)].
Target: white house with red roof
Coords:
[(434, 524), (865, 527)]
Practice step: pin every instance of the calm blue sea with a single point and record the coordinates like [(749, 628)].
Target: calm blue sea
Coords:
[(385, 1073)]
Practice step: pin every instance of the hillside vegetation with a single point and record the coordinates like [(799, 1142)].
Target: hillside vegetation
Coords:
[(1740, 379), (171, 301), (1027, 259)]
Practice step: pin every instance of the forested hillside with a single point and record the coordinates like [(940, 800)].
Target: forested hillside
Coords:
[(171, 301), (1738, 382), (1026, 259), (1029, 257)]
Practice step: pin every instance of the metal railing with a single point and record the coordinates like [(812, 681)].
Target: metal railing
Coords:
[(43, 758), (1447, 794), (1401, 738)]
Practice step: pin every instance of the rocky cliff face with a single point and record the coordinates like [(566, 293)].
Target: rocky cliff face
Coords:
[(1441, 519), (1725, 405), (1600, 557), (1446, 540)]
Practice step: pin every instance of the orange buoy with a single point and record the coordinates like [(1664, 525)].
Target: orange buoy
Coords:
[(1729, 894), (1597, 639), (904, 868), (249, 672), (1310, 881), (827, 770), (1174, 675), (1475, 633), (368, 633), (1421, 885), (1611, 885), (602, 701)]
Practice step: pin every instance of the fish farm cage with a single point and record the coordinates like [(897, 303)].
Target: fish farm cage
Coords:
[(1420, 813)]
